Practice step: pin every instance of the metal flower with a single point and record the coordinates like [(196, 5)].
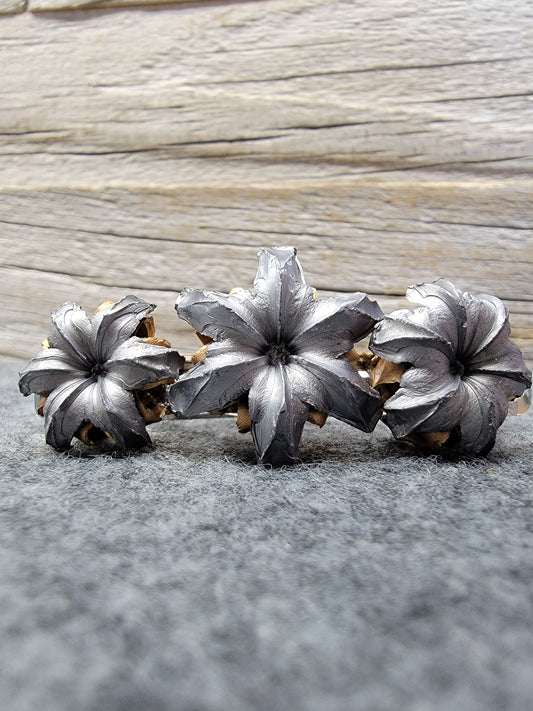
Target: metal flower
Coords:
[(460, 368), (282, 348), (93, 369)]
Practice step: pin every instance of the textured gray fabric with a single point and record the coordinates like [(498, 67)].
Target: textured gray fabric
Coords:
[(187, 578)]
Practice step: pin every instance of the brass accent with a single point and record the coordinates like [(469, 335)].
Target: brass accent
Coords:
[(360, 361), (154, 341), (40, 405), (244, 421), (151, 401), (200, 355), (386, 373), (316, 417), (146, 328), (430, 440), (89, 434), (205, 339), (104, 305)]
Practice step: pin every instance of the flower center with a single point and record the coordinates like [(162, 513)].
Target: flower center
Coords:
[(278, 353), (97, 370), (458, 368)]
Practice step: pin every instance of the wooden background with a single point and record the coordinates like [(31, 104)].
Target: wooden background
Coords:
[(143, 149)]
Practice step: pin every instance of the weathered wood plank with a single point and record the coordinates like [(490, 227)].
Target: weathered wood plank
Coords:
[(267, 90), (26, 321), (9, 6), (47, 5), (390, 144), (376, 237)]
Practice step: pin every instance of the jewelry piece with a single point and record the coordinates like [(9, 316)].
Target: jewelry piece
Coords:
[(447, 370), (276, 354), (103, 375), (442, 376)]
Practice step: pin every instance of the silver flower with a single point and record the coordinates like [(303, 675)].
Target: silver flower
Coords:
[(283, 349), (93, 369), (461, 369)]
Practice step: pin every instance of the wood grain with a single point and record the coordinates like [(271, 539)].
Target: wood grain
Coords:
[(9, 6), (255, 91), (376, 237), (47, 5), (146, 148)]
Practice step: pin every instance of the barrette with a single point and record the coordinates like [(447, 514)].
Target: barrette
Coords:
[(442, 376), (447, 370), (102, 376), (276, 354)]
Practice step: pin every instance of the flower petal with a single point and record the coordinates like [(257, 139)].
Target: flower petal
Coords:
[(402, 422), (65, 410), (221, 316), (444, 310), (477, 409), (214, 382), (134, 364), (460, 381), (341, 391), (116, 324), (449, 413), (440, 416), (487, 409), (502, 357), (278, 416), (405, 337), (113, 410), (491, 349), (71, 332), (49, 369), (428, 383), (486, 319), (335, 324), (423, 391), (281, 292)]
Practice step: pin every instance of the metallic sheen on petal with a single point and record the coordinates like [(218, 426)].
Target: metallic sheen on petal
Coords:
[(93, 366), (280, 286), (65, 410), (452, 408), (117, 323), (486, 318), (334, 324), (113, 410), (487, 409), (282, 347), (349, 397), (278, 417), (447, 308), (462, 369), (502, 357), (133, 364), (221, 315), (214, 383), (71, 332), (400, 337), (426, 384), (49, 369)]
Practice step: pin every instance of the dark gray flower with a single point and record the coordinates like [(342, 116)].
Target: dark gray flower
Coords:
[(461, 368), (282, 348), (93, 369)]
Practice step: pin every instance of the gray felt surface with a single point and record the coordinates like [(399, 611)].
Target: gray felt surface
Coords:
[(187, 578)]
